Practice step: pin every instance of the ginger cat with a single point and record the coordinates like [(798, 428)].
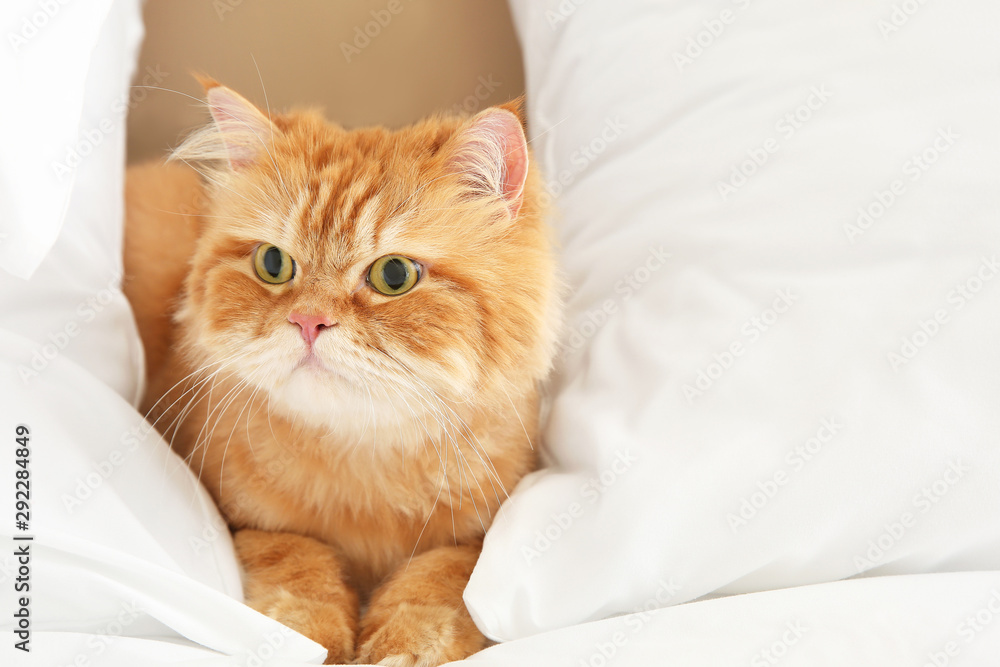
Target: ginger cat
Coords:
[(345, 331)]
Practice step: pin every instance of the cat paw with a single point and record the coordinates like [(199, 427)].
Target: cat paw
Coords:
[(414, 635), (325, 623)]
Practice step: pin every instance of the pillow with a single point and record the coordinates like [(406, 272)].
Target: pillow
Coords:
[(125, 542), (779, 225), (62, 162), (924, 620)]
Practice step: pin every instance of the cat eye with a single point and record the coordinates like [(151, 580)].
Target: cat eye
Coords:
[(272, 264), (393, 275)]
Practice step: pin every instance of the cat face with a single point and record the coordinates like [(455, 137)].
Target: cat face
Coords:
[(369, 273)]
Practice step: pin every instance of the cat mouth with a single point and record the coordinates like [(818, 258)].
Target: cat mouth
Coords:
[(312, 364), (311, 361)]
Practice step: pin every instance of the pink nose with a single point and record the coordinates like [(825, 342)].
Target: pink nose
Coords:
[(310, 325)]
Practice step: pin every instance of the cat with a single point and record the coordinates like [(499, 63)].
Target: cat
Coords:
[(346, 332)]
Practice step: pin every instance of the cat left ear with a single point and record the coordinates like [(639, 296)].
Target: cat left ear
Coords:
[(491, 152), (244, 129)]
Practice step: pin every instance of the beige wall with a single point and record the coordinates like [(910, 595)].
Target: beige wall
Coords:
[(429, 55)]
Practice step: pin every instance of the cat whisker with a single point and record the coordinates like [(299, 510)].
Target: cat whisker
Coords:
[(264, 144), (198, 381), (450, 429), (267, 106), (477, 446), (223, 408), (441, 403), (247, 381), (516, 414), (198, 386), (199, 442), (196, 398), (213, 180), (491, 474), (182, 415), (445, 480), (427, 521), (176, 92), (167, 393), (374, 420), (398, 420), (214, 378), (368, 417)]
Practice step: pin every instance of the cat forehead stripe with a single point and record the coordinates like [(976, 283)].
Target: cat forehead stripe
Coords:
[(347, 217), (366, 221), (300, 210)]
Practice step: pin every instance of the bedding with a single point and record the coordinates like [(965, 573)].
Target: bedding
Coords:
[(772, 427), (779, 225), (67, 67)]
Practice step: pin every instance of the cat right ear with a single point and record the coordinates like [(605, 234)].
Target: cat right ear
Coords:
[(492, 155), (240, 132)]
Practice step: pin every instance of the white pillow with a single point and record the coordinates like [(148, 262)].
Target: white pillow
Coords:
[(62, 161), (779, 224), (126, 542)]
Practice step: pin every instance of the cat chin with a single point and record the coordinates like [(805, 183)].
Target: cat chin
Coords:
[(331, 402)]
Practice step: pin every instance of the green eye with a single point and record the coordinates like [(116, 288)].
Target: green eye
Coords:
[(393, 275), (272, 264)]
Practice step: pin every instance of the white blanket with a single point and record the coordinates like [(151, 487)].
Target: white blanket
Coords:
[(130, 564)]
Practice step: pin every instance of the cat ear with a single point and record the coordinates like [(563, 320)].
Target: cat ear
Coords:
[(491, 152), (243, 129)]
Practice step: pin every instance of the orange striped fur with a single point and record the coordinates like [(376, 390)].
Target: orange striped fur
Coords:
[(359, 483)]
